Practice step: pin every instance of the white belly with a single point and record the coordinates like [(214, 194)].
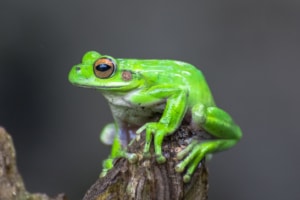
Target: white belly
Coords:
[(126, 112)]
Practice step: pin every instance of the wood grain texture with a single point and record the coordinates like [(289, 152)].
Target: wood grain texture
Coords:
[(11, 184), (148, 180)]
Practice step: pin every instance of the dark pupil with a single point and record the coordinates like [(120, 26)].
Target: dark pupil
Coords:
[(102, 67)]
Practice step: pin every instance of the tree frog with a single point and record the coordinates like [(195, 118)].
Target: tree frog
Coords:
[(155, 96)]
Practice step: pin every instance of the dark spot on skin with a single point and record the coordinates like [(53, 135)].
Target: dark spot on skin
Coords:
[(126, 75), (77, 68)]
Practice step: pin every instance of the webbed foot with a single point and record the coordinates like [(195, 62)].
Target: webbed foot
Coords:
[(159, 131)]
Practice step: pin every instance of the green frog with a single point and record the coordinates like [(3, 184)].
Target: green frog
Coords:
[(155, 96)]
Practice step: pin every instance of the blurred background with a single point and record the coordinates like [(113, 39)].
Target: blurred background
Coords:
[(249, 51)]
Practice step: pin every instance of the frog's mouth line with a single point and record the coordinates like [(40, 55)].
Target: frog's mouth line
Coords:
[(97, 87), (117, 87)]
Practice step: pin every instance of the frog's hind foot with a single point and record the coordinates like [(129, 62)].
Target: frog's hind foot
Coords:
[(195, 152), (191, 157)]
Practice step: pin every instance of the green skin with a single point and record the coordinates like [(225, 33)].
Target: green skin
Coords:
[(155, 96)]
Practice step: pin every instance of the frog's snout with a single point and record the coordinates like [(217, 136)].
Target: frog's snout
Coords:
[(75, 73), (80, 74)]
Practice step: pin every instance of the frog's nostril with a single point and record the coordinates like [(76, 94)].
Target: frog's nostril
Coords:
[(77, 68)]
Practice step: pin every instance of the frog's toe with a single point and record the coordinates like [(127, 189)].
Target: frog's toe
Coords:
[(187, 156), (180, 167), (160, 159), (107, 164), (183, 153), (190, 158), (103, 173), (192, 167), (146, 155), (132, 157), (187, 178)]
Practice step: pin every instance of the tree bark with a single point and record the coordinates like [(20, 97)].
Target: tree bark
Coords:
[(11, 183), (144, 180), (148, 180)]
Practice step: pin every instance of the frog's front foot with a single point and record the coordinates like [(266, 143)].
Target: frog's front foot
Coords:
[(159, 131), (108, 164), (131, 157)]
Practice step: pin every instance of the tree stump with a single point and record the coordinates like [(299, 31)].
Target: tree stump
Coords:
[(144, 180), (11, 183), (148, 180)]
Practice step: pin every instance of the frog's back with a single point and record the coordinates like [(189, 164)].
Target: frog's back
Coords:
[(181, 74), (193, 78)]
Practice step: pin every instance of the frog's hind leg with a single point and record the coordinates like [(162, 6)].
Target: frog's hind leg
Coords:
[(216, 122)]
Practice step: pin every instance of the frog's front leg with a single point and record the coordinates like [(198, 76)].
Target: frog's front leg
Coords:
[(171, 118), (110, 136), (216, 122)]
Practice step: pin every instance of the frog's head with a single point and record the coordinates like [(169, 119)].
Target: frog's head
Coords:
[(104, 73)]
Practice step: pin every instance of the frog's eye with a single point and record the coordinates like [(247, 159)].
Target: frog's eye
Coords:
[(104, 67)]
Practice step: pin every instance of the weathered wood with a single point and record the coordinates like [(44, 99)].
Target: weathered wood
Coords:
[(11, 183), (144, 180), (148, 180)]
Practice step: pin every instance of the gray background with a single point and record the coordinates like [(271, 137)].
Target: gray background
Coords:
[(248, 50)]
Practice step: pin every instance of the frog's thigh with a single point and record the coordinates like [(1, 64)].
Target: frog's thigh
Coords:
[(216, 122), (108, 133)]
